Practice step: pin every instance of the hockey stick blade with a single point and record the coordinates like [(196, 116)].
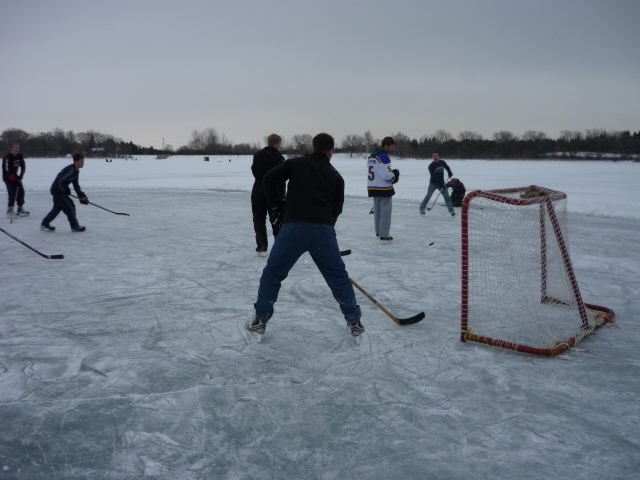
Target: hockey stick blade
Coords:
[(43, 255), (411, 320), (400, 321), (344, 253), (105, 209)]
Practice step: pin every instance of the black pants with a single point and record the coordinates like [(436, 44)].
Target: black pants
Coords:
[(260, 211), (62, 203), (16, 192)]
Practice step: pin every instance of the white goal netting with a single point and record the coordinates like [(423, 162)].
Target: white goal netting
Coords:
[(518, 280)]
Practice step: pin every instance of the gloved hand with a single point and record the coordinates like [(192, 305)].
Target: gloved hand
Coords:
[(83, 200), (396, 175), (12, 178), (275, 218)]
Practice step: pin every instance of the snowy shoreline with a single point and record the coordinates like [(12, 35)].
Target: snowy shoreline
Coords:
[(596, 188)]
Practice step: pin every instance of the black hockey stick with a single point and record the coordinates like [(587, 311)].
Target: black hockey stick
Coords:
[(372, 211), (344, 253), (399, 321), (48, 257), (106, 209), (434, 201)]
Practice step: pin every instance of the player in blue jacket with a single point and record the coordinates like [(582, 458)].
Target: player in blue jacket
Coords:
[(60, 192), (436, 182), (381, 178)]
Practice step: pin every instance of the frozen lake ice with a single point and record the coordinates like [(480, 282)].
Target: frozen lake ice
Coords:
[(125, 360)]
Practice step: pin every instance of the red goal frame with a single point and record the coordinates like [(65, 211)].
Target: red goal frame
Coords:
[(545, 201)]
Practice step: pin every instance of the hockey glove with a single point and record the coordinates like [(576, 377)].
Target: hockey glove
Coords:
[(83, 200), (12, 178), (396, 175), (275, 217)]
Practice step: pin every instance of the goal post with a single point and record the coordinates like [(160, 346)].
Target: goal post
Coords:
[(519, 289)]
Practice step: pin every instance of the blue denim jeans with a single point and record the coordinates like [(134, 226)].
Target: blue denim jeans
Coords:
[(445, 194), (320, 241)]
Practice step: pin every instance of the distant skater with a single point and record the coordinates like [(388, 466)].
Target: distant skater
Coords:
[(436, 182), (263, 161), (61, 201), (314, 201), (381, 178), (13, 169)]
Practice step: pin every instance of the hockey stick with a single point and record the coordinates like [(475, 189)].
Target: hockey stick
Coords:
[(399, 321), (372, 211), (48, 257), (434, 201), (344, 253), (106, 209)]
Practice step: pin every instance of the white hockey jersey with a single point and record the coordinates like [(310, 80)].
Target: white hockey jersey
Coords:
[(380, 175)]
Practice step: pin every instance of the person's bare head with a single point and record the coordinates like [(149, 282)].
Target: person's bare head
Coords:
[(435, 156), (274, 141), (78, 160), (388, 144), (324, 143), (15, 148)]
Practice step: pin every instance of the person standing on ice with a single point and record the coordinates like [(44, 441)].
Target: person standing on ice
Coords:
[(263, 161), (436, 182), (381, 178), (314, 201), (13, 168), (60, 191)]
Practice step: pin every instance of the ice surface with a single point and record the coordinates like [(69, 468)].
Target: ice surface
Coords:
[(125, 360)]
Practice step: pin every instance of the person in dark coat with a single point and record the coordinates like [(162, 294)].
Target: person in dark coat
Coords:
[(60, 191), (457, 191), (437, 168), (315, 198), (263, 161), (13, 168)]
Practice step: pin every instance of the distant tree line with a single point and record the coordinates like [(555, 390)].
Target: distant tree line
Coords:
[(505, 144), (468, 144), (58, 143)]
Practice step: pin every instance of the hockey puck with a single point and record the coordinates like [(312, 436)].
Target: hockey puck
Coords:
[(431, 244)]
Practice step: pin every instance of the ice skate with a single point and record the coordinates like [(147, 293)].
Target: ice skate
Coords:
[(256, 329)]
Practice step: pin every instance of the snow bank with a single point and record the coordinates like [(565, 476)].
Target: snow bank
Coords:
[(594, 188)]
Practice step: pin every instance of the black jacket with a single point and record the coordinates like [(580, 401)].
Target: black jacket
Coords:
[(436, 169), (315, 193), (263, 161), (11, 164), (67, 175)]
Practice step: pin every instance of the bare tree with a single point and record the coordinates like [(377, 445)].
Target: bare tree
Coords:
[(369, 141), (504, 136), (570, 135), (302, 143), (534, 136), (592, 133), (403, 144), (353, 144), (442, 136), (205, 141), (468, 136)]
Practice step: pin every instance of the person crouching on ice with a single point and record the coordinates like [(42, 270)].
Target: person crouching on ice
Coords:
[(60, 191), (315, 197)]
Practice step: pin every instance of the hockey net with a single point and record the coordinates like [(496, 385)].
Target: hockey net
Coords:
[(519, 289)]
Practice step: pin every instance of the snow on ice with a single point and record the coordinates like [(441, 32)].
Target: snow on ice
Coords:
[(125, 360)]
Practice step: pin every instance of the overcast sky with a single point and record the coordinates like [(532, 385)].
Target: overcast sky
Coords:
[(147, 69)]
